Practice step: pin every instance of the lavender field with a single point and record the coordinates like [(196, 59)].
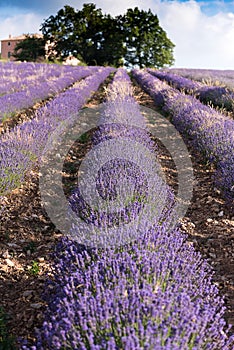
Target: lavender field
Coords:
[(117, 208)]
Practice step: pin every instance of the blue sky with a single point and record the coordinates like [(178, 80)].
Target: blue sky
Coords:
[(203, 31)]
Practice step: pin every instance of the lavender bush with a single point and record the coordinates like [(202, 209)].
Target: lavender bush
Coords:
[(217, 95), (19, 76), (208, 76), (210, 132), (153, 294), (125, 175), (22, 146), (177, 81), (35, 90)]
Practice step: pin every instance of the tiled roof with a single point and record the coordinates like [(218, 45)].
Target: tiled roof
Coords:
[(21, 37)]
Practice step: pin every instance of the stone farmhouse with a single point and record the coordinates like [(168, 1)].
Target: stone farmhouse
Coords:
[(8, 45)]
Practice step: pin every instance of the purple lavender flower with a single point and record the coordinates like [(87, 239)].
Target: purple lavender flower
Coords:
[(210, 132), (155, 293), (217, 95), (22, 146)]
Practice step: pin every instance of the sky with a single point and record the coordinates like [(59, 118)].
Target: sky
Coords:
[(202, 30)]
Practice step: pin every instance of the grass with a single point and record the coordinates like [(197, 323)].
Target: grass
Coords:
[(35, 268)]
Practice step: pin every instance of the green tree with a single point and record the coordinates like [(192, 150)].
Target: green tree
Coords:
[(31, 48), (87, 34), (134, 39), (111, 46), (147, 44)]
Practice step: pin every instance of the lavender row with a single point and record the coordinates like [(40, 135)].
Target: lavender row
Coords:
[(210, 132), (17, 71), (209, 76), (217, 95), (153, 293), (15, 76), (176, 81), (13, 103), (23, 145), (122, 128)]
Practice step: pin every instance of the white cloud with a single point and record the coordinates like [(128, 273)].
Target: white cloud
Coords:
[(120, 7), (20, 24), (201, 41)]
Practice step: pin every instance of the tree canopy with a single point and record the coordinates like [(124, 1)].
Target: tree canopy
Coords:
[(132, 39), (147, 44), (31, 48)]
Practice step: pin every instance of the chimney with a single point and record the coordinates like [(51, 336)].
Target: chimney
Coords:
[(9, 36)]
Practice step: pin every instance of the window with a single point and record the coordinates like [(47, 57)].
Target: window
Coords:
[(9, 54), (9, 43)]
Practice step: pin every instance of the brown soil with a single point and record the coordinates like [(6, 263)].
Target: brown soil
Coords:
[(27, 238)]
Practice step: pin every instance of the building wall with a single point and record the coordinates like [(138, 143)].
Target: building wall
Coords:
[(7, 49)]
